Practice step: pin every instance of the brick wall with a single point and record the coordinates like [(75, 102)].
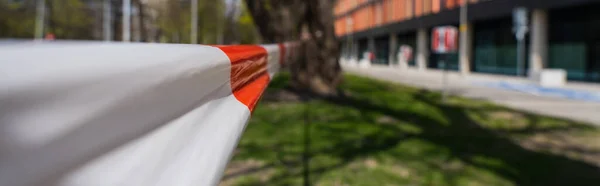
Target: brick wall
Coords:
[(381, 12)]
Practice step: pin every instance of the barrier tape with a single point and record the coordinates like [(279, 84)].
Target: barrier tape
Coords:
[(127, 114)]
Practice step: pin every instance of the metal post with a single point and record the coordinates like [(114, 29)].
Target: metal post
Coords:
[(372, 49), (107, 20), (39, 20), (349, 24), (194, 18), (422, 49), (463, 28), (463, 14), (520, 28), (520, 56), (219, 33), (392, 50), (444, 77), (126, 20)]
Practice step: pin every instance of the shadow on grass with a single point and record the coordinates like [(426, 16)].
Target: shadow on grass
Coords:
[(467, 140), (355, 135)]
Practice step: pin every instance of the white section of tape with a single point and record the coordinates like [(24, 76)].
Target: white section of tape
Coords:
[(274, 58), (181, 153), (64, 105)]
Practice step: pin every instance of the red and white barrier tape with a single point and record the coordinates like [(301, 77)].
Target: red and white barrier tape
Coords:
[(127, 114)]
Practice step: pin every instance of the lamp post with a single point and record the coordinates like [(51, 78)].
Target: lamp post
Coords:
[(39, 20), (349, 26), (464, 41), (194, 22), (520, 28), (107, 20), (126, 20)]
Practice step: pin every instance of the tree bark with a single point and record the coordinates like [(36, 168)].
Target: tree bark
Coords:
[(310, 22)]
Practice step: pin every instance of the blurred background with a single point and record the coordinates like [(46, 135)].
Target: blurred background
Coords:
[(559, 34), (164, 21), (368, 99)]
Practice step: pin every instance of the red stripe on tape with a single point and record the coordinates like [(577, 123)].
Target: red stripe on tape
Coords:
[(249, 76), (251, 92)]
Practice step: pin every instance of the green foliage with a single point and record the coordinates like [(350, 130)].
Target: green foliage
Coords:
[(17, 20), (386, 134), (74, 19), (66, 19), (246, 27), (69, 19), (175, 21)]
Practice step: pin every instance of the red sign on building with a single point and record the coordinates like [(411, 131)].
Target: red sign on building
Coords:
[(444, 39)]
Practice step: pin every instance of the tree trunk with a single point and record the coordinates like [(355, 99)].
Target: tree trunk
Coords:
[(142, 20), (310, 22)]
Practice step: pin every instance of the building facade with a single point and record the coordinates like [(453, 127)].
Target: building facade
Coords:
[(562, 34)]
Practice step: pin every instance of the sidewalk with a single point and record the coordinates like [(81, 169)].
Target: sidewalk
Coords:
[(471, 86)]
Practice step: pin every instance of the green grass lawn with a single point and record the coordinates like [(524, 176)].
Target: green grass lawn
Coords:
[(387, 134)]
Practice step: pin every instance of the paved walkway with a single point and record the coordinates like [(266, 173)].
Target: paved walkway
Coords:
[(471, 86)]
